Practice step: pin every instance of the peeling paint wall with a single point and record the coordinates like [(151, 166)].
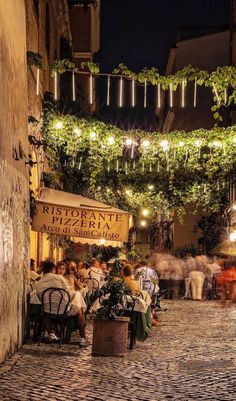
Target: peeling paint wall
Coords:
[(14, 221)]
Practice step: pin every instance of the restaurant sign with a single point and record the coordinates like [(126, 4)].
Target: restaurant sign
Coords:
[(80, 222)]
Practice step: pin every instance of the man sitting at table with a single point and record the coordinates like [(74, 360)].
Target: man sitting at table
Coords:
[(52, 280), (127, 274)]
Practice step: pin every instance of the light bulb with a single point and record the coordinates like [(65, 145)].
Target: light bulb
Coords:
[(198, 142), (143, 223), (58, 124), (234, 207), (128, 192), (181, 144), (150, 187), (111, 140), (145, 143), (232, 236), (216, 144), (77, 131), (102, 241), (164, 144), (93, 135), (145, 212), (108, 190), (129, 141)]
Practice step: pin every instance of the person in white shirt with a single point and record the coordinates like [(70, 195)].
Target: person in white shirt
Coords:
[(52, 280), (148, 278)]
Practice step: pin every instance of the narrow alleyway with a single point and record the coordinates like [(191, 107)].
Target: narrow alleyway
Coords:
[(191, 356)]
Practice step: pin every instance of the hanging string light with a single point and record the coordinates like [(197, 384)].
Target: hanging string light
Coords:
[(90, 89), (37, 81), (216, 93), (55, 86), (145, 143), (171, 100), (117, 165), (158, 96), (108, 89), (133, 93), (80, 163), (73, 86), (126, 168), (145, 95), (132, 151), (121, 83), (195, 93), (225, 96), (183, 94)]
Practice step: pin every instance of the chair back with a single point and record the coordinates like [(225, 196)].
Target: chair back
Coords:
[(92, 284), (55, 301)]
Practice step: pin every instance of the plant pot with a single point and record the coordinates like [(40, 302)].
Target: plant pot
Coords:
[(110, 336)]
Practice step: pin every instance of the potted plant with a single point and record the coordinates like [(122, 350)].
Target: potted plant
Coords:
[(110, 328)]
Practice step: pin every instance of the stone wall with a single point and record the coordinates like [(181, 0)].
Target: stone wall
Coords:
[(14, 221)]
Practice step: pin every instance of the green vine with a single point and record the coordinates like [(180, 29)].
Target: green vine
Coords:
[(35, 59)]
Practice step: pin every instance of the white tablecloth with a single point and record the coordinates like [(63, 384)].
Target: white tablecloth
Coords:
[(77, 298), (141, 302)]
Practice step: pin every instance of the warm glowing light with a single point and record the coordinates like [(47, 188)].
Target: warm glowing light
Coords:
[(183, 94), (234, 140), (195, 93), (146, 143), (164, 144), (143, 223), (93, 135), (150, 187), (73, 86), (108, 89), (77, 131), (121, 89), (217, 144), (234, 207), (232, 236), (129, 142), (59, 125), (216, 93), (133, 93), (145, 212), (108, 190), (225, 96), (171, 95), (99, 188), (145, 95), (158, 96), (128, 192), (111, 140), (55, 86), (181, 144), (198, 142), (90, 89), (102, 241)]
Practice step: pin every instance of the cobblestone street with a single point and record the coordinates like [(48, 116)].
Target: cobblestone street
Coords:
[(191, 356)]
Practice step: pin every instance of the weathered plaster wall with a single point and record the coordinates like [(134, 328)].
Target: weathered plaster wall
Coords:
[(14, 222)]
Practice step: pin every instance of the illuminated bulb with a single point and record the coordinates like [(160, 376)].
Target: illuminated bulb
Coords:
[(234, 206), (93, 135), (232, 236), (216, 144), (128, 192), (108, 190), (150, 187), (102, 241), (145, 143), (59, 125), (145, 212), (234, 140), (181, 144), (164, 144), (77, 131), (111, 140), (99, 188), (143, 223), (129, 141), (197, 142)]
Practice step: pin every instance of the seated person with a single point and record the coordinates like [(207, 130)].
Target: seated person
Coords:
[(61, 268), (33, 275), (127, 274), (71, 276), (50, 279), (94, 271), (147, 277)]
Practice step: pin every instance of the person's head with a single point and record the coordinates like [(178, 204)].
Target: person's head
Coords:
[(32, 265), (48, 267), (71, 268), (103, 265), (127, 270), (80, 265), (61, 268), (95, 263)]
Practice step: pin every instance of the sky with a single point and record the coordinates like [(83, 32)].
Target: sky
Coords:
[(140, 33)]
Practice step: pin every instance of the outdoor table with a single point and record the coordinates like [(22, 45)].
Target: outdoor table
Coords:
[(77, 298)]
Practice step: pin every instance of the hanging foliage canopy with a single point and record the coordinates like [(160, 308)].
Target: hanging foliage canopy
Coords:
[(168, 173)]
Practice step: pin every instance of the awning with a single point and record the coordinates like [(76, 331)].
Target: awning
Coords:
[(83, 219)]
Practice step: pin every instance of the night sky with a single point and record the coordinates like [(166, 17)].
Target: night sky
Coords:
[(140, 33)]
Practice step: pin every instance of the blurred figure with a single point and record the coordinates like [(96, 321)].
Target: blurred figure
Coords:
[(147, 277), (33, 275), (71, 276), (127, 275), (61, 268), (197, 282)]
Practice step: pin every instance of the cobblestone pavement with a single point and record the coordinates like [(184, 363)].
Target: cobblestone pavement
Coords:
[(191, 356)]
